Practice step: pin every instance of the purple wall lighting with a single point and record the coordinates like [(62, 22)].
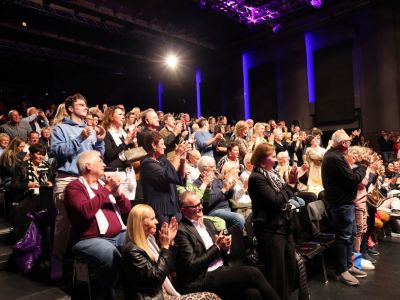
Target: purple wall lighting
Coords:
[(310, 46), (198, 99), (316, 3), (246, 92), (160, 94)]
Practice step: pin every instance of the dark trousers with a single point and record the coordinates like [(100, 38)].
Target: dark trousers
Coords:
[(344, 225), (278, 254), (243, 282), (370, 229)]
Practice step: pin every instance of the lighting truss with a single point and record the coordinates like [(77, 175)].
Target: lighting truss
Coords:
[(255, 12)]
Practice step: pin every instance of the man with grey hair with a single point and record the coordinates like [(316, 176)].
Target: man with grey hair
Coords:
[(340, 184), (94, 208), (217, 194), (16, 127)]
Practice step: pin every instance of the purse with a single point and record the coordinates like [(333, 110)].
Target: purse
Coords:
[(375, 197), (135, 154)]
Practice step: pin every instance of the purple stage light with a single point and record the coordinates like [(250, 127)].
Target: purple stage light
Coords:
[(276, 28), (316, 3)]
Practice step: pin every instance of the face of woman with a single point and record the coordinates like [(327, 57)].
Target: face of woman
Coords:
[(260, 130), (150, 224), (21, 147), (244, 132), (131, 119), (37, 158), (234, 153), (159, 148), (118, 117), (382, 170), (269, 161), (390, 167), (315, 141)]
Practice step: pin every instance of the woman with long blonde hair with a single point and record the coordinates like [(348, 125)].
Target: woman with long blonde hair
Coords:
[(60, 114), (145, 266)]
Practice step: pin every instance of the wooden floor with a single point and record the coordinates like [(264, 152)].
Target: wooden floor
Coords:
[(382, 283)]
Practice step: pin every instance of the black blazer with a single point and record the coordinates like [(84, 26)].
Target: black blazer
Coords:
[(112, 151), (143, 278), (267, 203), (193, 258)]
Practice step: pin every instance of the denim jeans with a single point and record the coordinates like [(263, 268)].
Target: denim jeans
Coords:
[(103, 253), (231, 218), (344, 225)]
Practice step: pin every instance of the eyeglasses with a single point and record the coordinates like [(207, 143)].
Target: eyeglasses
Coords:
[(193, 206)]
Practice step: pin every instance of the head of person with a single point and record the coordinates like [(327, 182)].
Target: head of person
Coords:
[(160, 115), (264, 156), (14, 117), (250, 123), (4, 140), (312, 141), (206, 165), (396, 165), (76, 106), (194, 157), (381, 171), (141, 223), (31, 111), (195, 127), (150, 119), (203, 124), (247, 162), (90, 164), (130, 118), (259, 129), (89, 119), (45, 133), (212, 121), (220, 129), (33, 137), (136, 111), (316, 131), (191, 206), (114, 117), (390, 167), (278, 135), (283, 158), (241, 129), (169, 121), (272, 124), (340, 140), (153, 143), (230, 168), (37, 153), (9, 156), (233, 151), (222, 120)]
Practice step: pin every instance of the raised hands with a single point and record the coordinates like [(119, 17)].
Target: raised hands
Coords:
[(167, 233)]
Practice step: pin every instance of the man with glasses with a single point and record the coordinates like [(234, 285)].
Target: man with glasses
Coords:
[(340, 184), (200, 263), (70, 138)]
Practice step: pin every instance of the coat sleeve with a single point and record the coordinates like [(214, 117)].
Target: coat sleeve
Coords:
[(112, 151), (155, 174)]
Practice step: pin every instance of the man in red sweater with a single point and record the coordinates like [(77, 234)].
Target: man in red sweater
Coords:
[(94, 208)]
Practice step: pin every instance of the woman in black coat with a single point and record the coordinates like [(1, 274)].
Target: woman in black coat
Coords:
[(271, 210), (145, 266)]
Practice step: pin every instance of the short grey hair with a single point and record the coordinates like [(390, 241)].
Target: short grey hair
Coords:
[(205, 161), (339, 136), (86, 157)]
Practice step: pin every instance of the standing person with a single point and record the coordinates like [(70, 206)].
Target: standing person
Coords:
[(69, 138), (340, 184), (271, 209), (4, 141), (204, 141), (16, 127)]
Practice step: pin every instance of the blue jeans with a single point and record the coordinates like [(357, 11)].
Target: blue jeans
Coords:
[(387, 156), (231, 218), (297, 202), (344, 226), (103, 253)]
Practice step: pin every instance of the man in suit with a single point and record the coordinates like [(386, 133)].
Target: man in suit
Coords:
[(200, 263)]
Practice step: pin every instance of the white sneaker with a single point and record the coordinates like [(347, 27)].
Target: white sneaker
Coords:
[(367, 265)]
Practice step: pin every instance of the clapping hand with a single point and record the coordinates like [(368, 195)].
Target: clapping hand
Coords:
[(112, 183), (223, 241), (167, 233), (100, 132)]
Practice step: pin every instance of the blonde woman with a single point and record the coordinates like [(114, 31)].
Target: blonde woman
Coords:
[(145, 266), (241, 132), (60, 114)]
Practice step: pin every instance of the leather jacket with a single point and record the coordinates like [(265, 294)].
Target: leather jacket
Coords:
[(143, 278)]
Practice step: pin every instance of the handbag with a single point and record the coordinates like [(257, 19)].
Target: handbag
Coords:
[(375, 197), (135, 154)]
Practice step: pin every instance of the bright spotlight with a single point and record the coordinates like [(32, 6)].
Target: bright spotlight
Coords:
[(171, 61)]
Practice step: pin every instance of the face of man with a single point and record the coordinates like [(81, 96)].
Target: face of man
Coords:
[(33, 138), (170, 122), (192, 208), (96, 167), (46, 134), (14, 116), (152, 120), (78, 109)]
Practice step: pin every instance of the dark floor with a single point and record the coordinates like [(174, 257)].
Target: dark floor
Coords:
[(384, 282)]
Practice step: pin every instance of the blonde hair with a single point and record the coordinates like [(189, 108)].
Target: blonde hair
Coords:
[(60, 114), (359, 153), (228, 167), (9, 156), (240, 127), (257, 126), (134, 229)]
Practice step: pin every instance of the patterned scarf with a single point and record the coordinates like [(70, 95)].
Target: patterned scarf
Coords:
[(273, 176), (42, 170)]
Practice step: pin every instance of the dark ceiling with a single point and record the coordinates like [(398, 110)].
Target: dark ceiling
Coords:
[(109, 33)]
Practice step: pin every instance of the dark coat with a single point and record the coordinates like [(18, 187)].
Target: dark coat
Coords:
[(112, 151), (143, 278), (267, 203), (193, 257)]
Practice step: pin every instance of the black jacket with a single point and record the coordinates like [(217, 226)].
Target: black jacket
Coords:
[(267, 203), (112, 151), (193, 259), (143, 278), (339, 180)]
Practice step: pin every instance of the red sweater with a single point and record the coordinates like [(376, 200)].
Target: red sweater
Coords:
[(82, 210)]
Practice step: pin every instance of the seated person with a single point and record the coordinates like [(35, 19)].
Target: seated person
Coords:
[(217, 194), (29, 176), (145, 266), (94, 208), (200, 264)]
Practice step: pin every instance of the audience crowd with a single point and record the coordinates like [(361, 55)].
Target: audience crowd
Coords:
[(203, 188)]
